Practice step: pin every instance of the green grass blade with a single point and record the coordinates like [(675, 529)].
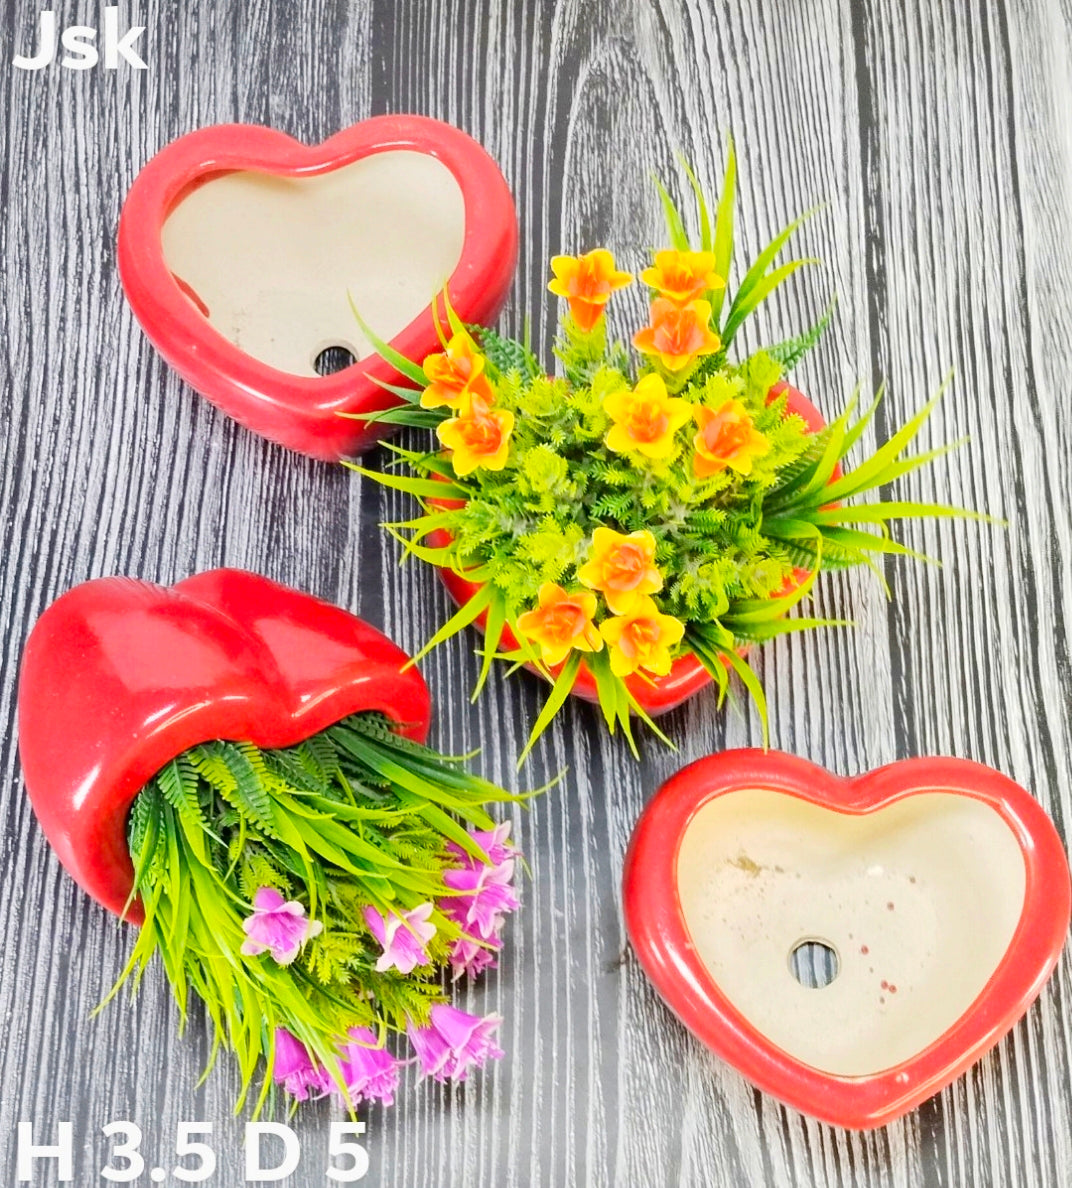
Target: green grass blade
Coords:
[(869, 474), (420, 488), (457, 326), (462, 617), (833, 452), (442, 555), (565, 681), (493, 629), (704, 215), (761, 610), (856, 431), (633, 705), (868, 542), (418, 418), (723, 241), (768, 631), (675, 226), (742, 307), (616, 702), (766, 258), (755, 689), (606, 689), (409, 395), (899, 469), (384, 349), (880, 513)]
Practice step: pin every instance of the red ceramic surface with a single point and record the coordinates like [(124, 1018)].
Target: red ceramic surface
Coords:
[(120, 676), (657, 695), (301, 412), (668, 952)]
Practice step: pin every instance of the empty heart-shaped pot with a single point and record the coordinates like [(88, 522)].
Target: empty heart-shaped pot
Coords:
[(934, 893), (240, 250)]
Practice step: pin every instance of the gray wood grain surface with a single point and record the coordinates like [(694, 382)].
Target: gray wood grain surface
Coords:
[(940, 137)]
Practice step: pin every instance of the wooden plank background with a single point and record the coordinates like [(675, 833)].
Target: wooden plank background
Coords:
[(940, 137)]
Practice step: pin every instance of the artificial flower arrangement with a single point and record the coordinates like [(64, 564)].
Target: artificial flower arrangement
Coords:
[(325, 887), (319, 887), (646, 516)]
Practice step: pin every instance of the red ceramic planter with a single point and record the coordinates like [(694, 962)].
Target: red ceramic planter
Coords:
[(120, 676), (687, 676), (238, 247), (941, 886)]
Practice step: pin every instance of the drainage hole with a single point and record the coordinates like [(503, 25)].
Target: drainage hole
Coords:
[(814, 963), (332, 359)]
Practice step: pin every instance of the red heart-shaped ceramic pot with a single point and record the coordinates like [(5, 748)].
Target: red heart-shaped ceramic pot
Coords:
[(940, 886), (240, 250), (120, 676)]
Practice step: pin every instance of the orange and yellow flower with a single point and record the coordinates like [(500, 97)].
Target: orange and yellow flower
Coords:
[(726, 438), (561, 622), (678, 334), (455, 374), (478, 437), (587, 282), (642, 639), (645, 419), (682, 277), (621, 568)]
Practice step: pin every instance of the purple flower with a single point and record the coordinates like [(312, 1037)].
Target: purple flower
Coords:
[(485, 891), (486, 896), (369, 1071), (468, 956), (494, 842), (277, 926), (454, 1042), (293, 1069), (403, 937)]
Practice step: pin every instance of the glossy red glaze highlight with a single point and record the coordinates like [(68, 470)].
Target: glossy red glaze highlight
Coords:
[(120, 676), (657, 927), (303, 412), (687, 676)]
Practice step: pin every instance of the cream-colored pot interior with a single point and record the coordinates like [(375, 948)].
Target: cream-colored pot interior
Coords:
[(918, 900), (273, 259)]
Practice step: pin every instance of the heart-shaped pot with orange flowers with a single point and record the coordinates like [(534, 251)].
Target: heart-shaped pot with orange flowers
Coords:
[(629, 527)]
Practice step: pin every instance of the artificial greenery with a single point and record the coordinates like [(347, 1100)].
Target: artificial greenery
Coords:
[(354, 817), (738, 536)]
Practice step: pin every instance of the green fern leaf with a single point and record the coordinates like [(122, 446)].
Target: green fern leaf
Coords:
[(236, 771), (506, 354)]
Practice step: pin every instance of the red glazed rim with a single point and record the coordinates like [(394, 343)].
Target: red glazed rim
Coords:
[(687, 676), (657, 928), (303, 412)]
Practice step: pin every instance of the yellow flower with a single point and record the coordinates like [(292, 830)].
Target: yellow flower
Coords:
[(642, 639), (645, 419), (726, 438), (621, 568), (479, 437), (455, 374), (587, 282), (560, 623), (682, 277), (678, 334)]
